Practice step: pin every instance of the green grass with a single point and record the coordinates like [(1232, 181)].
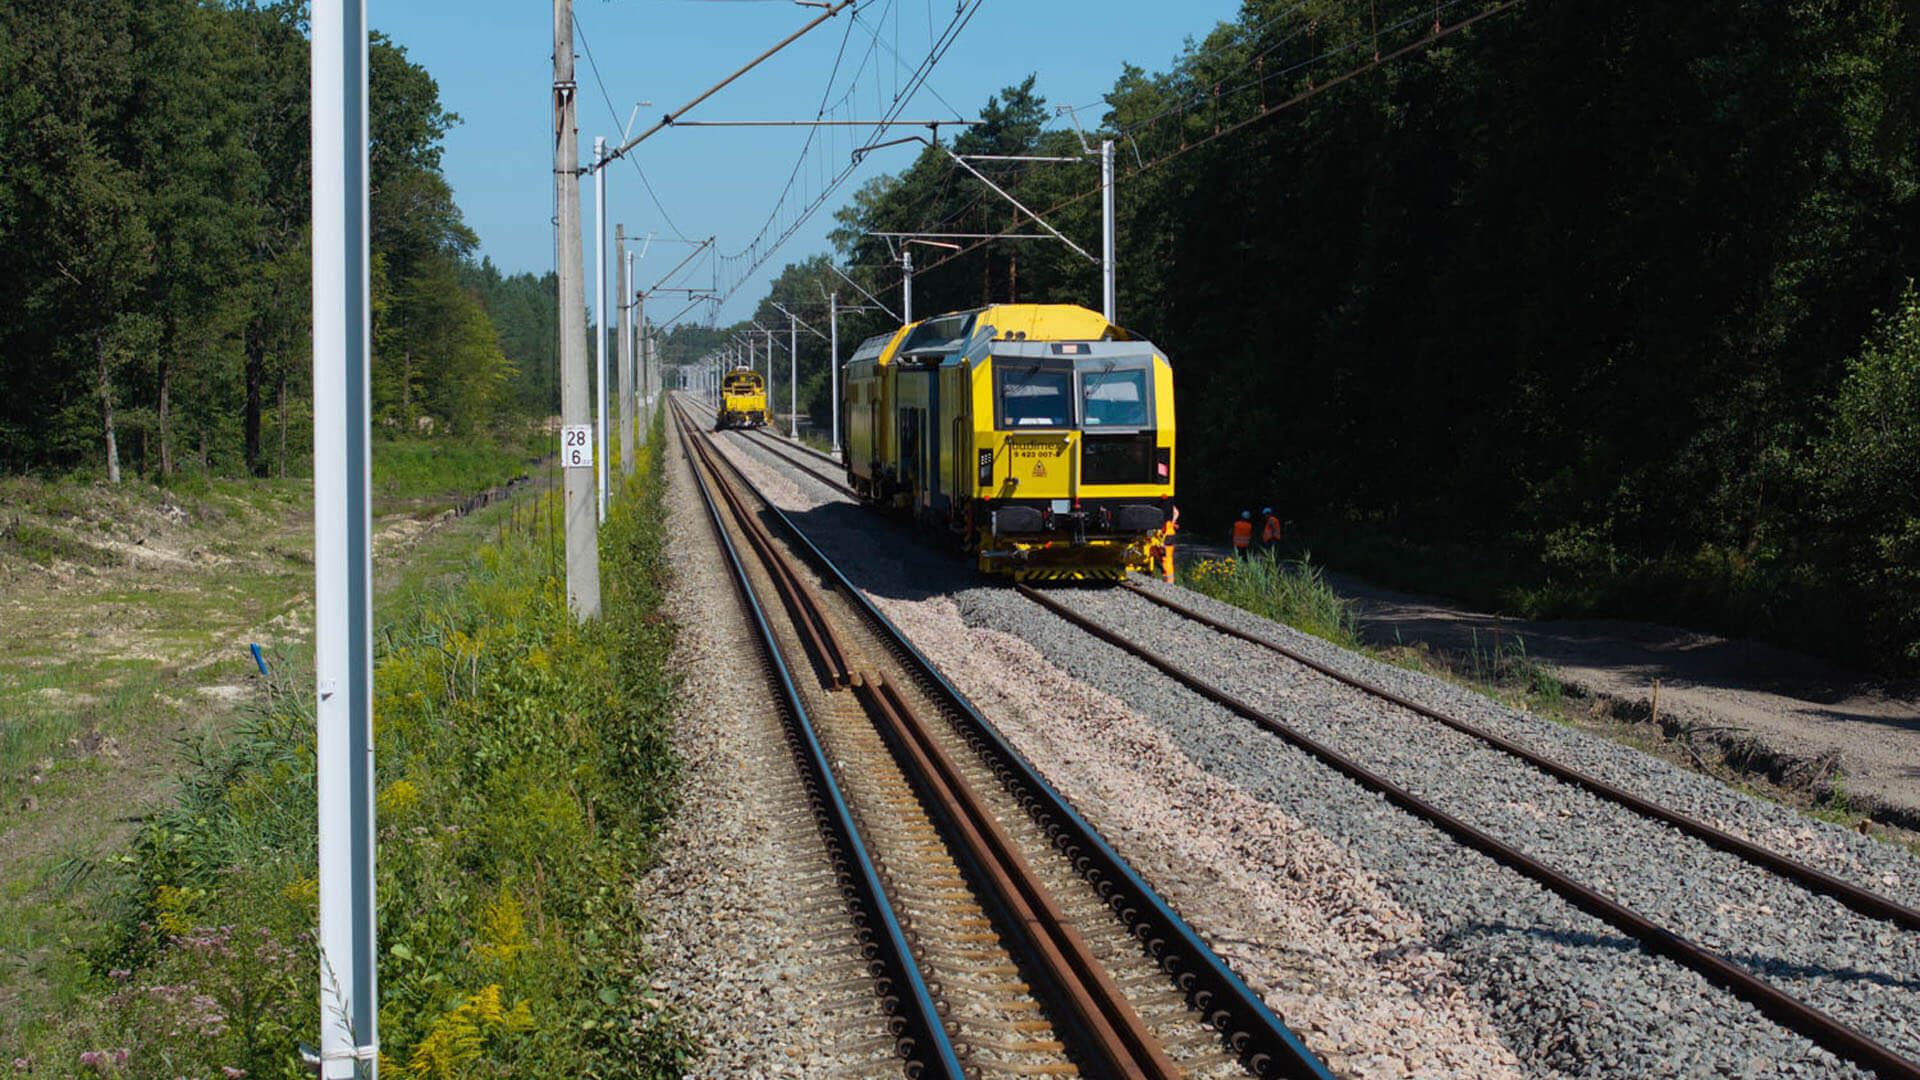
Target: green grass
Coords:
[(1295, 592), (523, 773), (44, 546), (1288, 591), (1762, 594), (443, 467)]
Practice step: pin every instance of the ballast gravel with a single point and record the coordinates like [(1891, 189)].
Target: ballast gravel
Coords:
[(1309, 929), (742, 935), (1570, 996), (1855, 968), (1883, 867)]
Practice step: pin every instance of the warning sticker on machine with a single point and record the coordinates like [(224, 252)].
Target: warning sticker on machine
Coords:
[(1039, 468)]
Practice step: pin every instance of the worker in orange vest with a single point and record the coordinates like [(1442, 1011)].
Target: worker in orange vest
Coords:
[(1166, 547), (1243, 534), (1270, 530)]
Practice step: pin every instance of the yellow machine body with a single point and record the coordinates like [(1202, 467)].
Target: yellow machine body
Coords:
[(1040, 435), (743, 399)]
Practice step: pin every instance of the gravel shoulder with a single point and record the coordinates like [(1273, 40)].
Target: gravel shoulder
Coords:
[(747, 934), (1805, 723)]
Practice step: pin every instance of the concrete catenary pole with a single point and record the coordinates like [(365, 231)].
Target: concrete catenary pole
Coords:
[(576, 390), (1107, 268), (342, 544), (602, 464), (622, 260), (833, 363), (769, 377)]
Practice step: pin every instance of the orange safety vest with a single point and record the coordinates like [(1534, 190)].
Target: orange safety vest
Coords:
[(1242, 533), (1272, 530)]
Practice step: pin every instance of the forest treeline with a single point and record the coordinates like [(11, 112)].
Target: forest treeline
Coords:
[(1587, 308), (155, 247)]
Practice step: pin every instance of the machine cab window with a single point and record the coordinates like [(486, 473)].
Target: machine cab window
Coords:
[(1114, 398), (1033, 395)]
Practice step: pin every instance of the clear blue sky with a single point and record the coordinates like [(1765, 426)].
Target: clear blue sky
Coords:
[(492, 60)]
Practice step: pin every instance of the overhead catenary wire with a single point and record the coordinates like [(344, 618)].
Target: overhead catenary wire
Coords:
[(580, 32), (1440, 31), (760, 249)]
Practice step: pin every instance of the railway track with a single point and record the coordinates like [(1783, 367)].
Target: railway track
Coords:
[(1004, 935), (1861, 899), (1823, 1029), (805, 458), (1733, 967)]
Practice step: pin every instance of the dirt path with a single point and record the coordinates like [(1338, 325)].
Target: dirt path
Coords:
[(1806, 723), (1801, 719)]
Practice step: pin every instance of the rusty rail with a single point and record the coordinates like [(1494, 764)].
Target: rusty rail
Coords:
[(1243, 1021), (920, 1038), (1116, 1034)]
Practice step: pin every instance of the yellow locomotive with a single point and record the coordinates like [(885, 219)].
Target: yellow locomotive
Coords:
[(743, 399), (1040, 435)]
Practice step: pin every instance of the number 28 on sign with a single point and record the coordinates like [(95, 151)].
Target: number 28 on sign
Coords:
[(576, 446)]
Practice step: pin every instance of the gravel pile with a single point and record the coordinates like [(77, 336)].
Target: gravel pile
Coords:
[(1308, 927), (746, 936)]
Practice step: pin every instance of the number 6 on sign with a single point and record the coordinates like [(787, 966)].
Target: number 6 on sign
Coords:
[(576, 446)]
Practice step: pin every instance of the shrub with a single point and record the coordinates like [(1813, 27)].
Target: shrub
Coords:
[(1863, 476)]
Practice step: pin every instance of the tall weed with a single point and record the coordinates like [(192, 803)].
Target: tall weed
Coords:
[(1292, 592), (522, 769)]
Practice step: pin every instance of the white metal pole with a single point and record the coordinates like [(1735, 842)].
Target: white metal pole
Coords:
[(833, 364), (646, 397), (906, 284), (1107, 269), (793, 377), (342, 546), (600, 313), (623, 334), (769, 377), (627, 298)]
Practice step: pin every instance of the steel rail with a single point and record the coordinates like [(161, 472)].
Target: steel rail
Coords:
[(825, 642), (1788, 1011), (808, 450), (1116, 1031), (922, 1039), (1245, 1023), (1108, 1023), (1865, 901), (779, 450)]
